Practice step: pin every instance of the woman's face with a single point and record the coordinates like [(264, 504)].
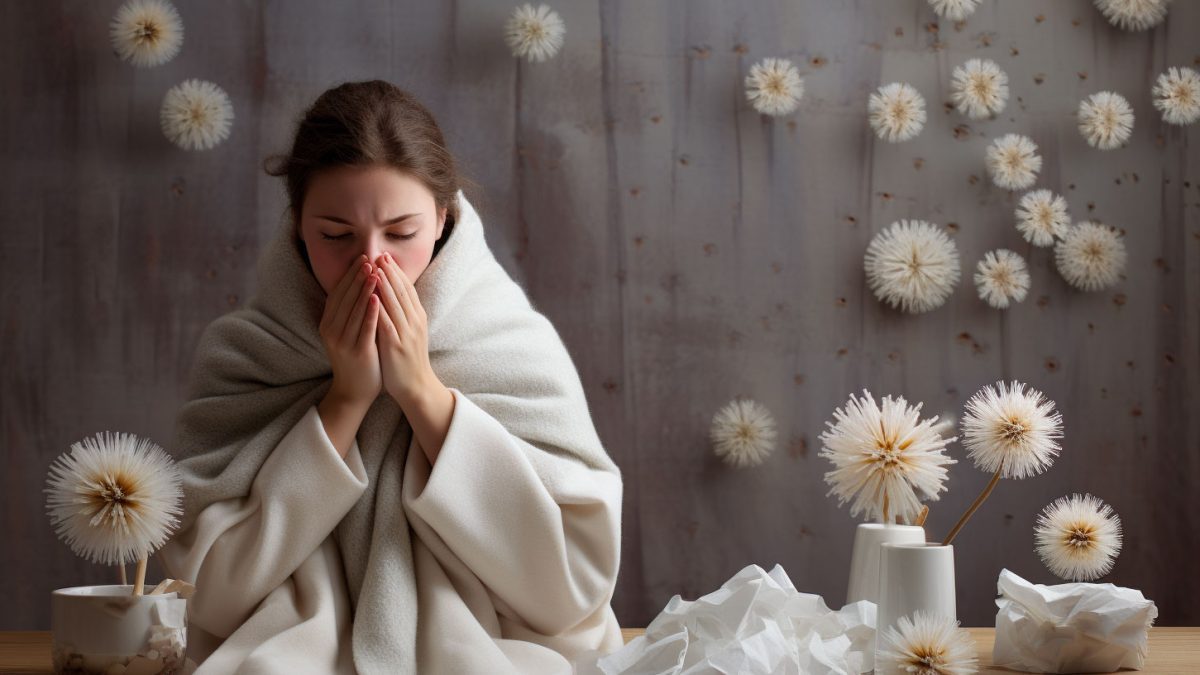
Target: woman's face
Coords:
[(349, 211)]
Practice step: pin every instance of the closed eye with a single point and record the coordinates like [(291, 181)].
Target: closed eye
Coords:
[(390, 236)]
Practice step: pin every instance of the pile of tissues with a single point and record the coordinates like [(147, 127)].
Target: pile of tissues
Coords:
[(757, 622), (1070, 628)]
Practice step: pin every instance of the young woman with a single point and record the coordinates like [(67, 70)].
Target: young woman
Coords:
[(389, 463)]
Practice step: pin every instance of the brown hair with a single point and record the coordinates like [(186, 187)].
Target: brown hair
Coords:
[(362, 124)]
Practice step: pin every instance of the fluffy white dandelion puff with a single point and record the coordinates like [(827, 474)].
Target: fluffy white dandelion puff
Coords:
[(1002, 278), (1011, 429), (896, 112), (1177, 95), (926, 644), (114, 499), (1042, 217), (954, 10), (1078, 537), (743, 433), (196, 115), (774, 87), (1105, 120), (912, 265), (1090, 256), (1013, 162), (1133, 14), (146, 32), (886, 459), (534, 33), (978, 88)]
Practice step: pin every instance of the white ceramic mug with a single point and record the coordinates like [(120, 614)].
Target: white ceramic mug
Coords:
[(93, 627), (864, 559), (914, 578)]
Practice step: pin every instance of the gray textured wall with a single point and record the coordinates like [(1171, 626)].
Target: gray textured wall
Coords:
[(688, 249)]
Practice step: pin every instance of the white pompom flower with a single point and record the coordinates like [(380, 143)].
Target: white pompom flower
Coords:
[(743, 433), (196, 115), (774, 87), (926, 644), (1078, 537), (534, 33), (912, 265), (1002, 278), (114, 499), (1013, 161), (978, 88), (146, 32), (1091, 256), (1177, 95), (1042, 217), (1133, 14), (896, 112), (886, 459), (1105, 120), (1011, 431), (954, 10)]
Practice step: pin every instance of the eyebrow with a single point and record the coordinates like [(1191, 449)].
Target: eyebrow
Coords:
[(390, 221)]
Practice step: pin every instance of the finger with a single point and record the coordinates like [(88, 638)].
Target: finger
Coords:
[(334, 301), (391, 303), (370, 321), (342, 317), (354, 323), (400, 283), (385, 323)]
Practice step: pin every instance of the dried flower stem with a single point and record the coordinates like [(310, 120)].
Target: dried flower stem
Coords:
[(139, 581), (974, 507), (920, 522), (124, 580)]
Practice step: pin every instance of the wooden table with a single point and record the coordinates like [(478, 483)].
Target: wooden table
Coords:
[(1172, 650)]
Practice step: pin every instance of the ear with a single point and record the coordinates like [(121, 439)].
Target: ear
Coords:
[(441, 222)]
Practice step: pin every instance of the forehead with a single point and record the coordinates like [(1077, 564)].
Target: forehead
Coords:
[(367, 189)]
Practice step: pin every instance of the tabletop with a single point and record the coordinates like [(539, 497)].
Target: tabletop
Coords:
[(1172, 650)]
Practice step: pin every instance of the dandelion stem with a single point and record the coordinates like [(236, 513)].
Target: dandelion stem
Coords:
[(124, 580), (974, 507), (139, 580), (885, 509)]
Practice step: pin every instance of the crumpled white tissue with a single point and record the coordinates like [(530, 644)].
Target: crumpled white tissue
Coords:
[(757, 622), (1070, 628)]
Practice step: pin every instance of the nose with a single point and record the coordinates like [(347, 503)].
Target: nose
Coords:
[(372, 248)]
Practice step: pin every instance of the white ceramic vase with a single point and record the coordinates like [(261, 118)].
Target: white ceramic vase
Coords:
[(912, 578), (106, 629), (864, 559)]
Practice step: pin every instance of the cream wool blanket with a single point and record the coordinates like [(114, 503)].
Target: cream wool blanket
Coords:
[(502, 557)]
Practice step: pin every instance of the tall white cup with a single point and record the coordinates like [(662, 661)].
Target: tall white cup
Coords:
[(914, 578), (864, 559)]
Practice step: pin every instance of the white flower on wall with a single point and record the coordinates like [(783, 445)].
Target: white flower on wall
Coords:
[(1177, 95), (1002, 278), (1078, 537), (743, 433), (954, 10), (534, 33), (774, 87), (196, 115), (146, 32), (1091, 256), (1105, 120), (1042, 217), (978, 88), (912, 265), (1133, 14), (1013, 162), (896, 112)]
